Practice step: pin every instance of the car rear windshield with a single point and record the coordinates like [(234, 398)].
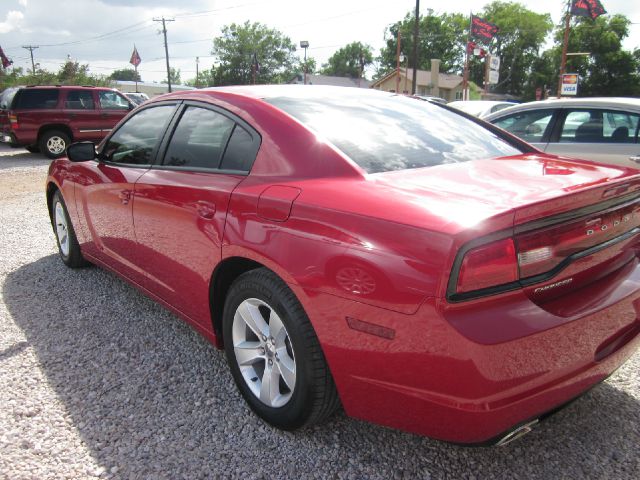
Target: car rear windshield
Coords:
[(390, 132), (36, 99)]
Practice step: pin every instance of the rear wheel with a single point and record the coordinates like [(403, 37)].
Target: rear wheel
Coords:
[(65, 235), (274, 354), (53, 143)]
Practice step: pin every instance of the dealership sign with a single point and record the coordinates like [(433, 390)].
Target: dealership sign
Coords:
[(569, 84)]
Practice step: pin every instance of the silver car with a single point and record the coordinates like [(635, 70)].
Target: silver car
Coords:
[(600, 129)]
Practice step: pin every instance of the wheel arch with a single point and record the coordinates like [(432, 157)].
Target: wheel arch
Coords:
[(223, 276), (52, 188), (55, 126)]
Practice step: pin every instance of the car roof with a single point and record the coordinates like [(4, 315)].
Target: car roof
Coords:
[(274, 91), (599, 102)]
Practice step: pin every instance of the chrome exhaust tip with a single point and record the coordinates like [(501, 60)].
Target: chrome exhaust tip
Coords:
[(521, 431)]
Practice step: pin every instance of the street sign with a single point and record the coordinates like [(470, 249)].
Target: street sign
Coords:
[(494, 63), (493, 77), (569, 84)]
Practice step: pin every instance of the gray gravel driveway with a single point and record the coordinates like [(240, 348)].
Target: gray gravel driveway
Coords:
[(96, 380)]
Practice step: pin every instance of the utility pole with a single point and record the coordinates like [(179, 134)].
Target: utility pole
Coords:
[(565, 45), (31, 48), (398, 61), (197, 61), (416, 31), (166, 48)]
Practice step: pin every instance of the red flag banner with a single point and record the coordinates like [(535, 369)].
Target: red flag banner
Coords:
[(482, 30), (587, 8), (5, 61), (135, 57)]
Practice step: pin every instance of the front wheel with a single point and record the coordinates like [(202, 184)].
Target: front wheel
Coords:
[(274, 354), (53, 143), (65, 235)]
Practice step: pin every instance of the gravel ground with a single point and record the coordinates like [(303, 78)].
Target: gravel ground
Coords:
[(97, 381)]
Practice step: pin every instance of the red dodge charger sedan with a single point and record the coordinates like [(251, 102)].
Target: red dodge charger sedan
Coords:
[(421, 268)]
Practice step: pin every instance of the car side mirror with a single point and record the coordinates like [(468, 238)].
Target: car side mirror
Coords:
[(131, 106), (81, 151)]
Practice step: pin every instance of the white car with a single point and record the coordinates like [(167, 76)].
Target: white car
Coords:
[(480, 108), (599, 129)]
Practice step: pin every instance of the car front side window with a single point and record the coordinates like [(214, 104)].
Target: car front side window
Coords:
[(529, 126), (112, 101), (134, 143)]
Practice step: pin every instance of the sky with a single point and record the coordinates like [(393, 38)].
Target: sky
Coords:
[(102, 33)]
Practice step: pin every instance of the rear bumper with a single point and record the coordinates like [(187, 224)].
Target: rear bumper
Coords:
[(462, 378), (7, 138)]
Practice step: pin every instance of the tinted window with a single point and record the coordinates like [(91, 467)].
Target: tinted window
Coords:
[(599, 126), (37, 99), (7, 97), (135, 141), (241, 151), (382, 133), (529, 126), (79, 100), (199, 139), (112, 101)]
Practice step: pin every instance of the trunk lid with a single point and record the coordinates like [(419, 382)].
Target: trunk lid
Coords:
[(548, 225)]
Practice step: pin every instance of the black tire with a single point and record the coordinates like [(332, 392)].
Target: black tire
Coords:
[(68, 247), (53, 143), (32, 148), (314, 397)]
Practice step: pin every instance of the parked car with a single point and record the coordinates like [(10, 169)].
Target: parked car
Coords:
[(137, 98), (50, 118), (600, 129), (480, 108), (429, 98), (425, 270)]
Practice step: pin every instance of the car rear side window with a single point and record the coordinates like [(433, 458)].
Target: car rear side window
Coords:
[(241, 151), (199, 139), (383, 133), (37, 99), (599, 126), (79, 100), (134, 143)]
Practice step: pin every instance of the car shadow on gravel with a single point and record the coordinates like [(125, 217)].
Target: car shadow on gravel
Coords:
[(152, 399)]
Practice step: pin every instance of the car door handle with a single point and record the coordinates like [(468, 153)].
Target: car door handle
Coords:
[(206, 210), (125, 196), (635, 158)]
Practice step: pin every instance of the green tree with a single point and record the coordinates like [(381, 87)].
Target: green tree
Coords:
[(237, 47), (125, 74), (608, 70), (174, 75), (440, 36), (311, 66), (349, 61), (206, 78), (522, 33), (72, 73)]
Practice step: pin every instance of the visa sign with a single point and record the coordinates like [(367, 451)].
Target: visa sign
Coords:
[(569, 84)]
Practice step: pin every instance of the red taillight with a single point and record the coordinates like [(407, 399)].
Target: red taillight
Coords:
[(13, 120), (542, 250), (487, 266)]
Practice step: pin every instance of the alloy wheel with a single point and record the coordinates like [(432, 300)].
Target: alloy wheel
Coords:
[(263, 352)]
